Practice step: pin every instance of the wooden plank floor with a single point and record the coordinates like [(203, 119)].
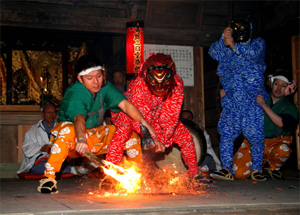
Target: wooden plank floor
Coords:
[(225, 197)]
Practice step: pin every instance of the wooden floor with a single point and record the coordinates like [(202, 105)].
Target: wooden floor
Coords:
[(82, 196)]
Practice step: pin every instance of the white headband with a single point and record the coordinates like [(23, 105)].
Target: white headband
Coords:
[(87, 71), (272, 78)]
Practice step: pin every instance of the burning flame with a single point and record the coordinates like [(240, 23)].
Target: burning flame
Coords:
[(128, 178)]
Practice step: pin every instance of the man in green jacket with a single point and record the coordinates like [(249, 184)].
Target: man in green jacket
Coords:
[(281, 118), (80, 117)]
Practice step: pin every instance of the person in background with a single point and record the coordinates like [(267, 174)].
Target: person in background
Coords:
[(107, 118), (119, 80), (281, 118), (36, 144), (187, 114), (211, 161), (241, 69), (80, 119)]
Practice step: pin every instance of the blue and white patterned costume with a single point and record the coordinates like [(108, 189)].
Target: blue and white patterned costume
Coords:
[(241, 71)]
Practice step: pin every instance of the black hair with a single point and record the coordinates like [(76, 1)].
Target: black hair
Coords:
[(187, 111), (88, 61), (48, 104), (85, 62), (121, 71)]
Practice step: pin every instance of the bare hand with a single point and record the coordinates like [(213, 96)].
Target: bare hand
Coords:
[(260, 100), (222, 93), (159, 147), (228, 39), (227, 32), (291, 88), (150, 128), (44, 148), (81, 147)]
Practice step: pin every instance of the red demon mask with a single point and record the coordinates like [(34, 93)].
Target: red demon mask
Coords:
[(159, 76)]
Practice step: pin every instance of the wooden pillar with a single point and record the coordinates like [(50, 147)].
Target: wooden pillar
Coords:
[(199, 76), (194, 96), (296, 77), (9, 85)]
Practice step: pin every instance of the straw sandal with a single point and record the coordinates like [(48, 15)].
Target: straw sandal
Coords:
[(48, 185), (274, 174), (258, 176), (222, 174), (201, 180)]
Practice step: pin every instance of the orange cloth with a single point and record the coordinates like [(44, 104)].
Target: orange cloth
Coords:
[(98, 139), (277, 151)]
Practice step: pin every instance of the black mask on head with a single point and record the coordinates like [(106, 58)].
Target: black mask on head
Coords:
[(241, 30)]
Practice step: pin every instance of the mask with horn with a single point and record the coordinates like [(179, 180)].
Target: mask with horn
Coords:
[(241, 30), (160, 74)]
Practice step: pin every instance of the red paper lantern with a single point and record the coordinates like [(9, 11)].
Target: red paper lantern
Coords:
[(134, 46)]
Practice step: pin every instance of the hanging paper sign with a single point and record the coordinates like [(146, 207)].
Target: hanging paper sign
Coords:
[(134, 46)]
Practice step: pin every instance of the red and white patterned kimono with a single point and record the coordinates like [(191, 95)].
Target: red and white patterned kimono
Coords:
[(162, 113)]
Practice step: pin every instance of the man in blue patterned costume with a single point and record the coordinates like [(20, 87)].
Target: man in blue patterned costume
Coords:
[(241, 67)]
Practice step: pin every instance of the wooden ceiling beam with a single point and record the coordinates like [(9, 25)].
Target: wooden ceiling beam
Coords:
[(64, 17)]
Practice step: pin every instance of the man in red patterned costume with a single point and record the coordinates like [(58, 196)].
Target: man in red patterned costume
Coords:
[(157, 91)]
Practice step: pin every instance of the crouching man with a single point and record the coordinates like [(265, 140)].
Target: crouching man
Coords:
[(157, 91), (80, 117)]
